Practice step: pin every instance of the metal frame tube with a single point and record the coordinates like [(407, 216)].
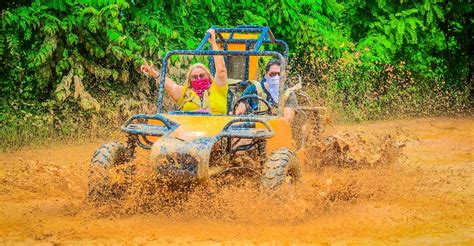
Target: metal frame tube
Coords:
[(242, 29), (247, 62), (204, 41), (278, 42), (262, 37)]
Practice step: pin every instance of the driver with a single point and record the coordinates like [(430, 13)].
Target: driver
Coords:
[(268, 89), (200, 92)]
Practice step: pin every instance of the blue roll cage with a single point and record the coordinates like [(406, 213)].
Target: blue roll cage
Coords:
[(265, 37)]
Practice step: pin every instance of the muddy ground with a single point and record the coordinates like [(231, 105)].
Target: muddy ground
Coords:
[(424, 194)]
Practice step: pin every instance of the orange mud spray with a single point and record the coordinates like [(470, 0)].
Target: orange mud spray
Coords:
[(403, 181)]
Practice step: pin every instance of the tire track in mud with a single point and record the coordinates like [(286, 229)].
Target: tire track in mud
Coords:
[(358, 192)]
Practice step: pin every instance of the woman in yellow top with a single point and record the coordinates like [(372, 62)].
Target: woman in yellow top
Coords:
[(200, 92)]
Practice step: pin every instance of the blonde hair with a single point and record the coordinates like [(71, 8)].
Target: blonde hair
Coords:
[(191, 68)]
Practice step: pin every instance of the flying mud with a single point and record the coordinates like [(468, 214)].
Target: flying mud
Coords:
[(402, 181)]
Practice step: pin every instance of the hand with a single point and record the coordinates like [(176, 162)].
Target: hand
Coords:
[(240, 109), (147, 69), (212, 38)]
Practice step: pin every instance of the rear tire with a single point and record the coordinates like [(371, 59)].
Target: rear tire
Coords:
[(281, 167), (106, 179)]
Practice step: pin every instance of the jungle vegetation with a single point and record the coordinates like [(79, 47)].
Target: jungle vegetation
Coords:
[(71, 66)]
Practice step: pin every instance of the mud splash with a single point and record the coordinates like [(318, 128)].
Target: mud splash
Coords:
[(241, 198), (359, 191)]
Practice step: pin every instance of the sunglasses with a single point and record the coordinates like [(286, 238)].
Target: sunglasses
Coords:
[(273, 74), (198, 76)]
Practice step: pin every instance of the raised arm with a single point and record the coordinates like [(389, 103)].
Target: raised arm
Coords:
[(221, 71), (173, 89)]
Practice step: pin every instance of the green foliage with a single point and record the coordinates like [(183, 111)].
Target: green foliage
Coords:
[(367, 58)]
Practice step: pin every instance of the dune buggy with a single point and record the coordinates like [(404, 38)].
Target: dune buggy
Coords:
[(195, 146)]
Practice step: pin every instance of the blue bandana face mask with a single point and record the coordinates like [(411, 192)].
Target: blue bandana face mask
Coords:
[(274, 87)]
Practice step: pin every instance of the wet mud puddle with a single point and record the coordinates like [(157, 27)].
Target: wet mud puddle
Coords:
[(404, 181)]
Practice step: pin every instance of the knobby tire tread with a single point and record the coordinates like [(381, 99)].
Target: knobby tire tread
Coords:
[(106, 156), (282, 162)]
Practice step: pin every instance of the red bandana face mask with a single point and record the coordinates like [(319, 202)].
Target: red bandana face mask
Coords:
[(200, 86)]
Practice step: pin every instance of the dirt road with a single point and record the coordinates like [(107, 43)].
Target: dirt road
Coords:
[(425, 196)]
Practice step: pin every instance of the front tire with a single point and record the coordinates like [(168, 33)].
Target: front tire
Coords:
[(281, 167), (107, 174)]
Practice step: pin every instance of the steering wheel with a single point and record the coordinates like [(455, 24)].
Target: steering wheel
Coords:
[(250, 109)]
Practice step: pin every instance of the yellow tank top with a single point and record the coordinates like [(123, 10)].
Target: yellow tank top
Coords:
[(214, 100)]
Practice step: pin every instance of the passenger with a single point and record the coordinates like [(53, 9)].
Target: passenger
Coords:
[(269, 89), (200, 92)]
